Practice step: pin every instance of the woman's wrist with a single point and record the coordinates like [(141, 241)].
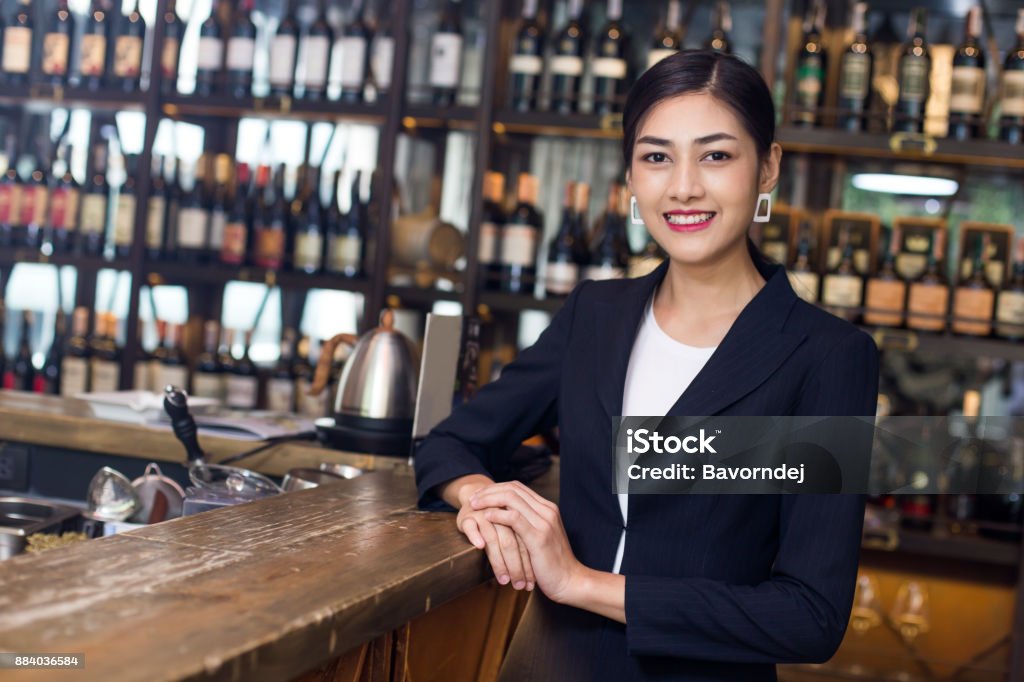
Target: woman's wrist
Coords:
[(458, 491)]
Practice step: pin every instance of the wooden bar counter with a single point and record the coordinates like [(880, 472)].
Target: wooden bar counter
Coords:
[(348, 581)]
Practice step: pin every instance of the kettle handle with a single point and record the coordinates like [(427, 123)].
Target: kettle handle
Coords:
[(323, 363)]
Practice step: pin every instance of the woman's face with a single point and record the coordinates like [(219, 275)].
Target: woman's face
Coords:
[(696, 176)]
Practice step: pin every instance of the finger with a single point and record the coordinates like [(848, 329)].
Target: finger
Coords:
[(512, 499), (531, 578), (472, 531), (514, 520), (493, 548), (513, 559)]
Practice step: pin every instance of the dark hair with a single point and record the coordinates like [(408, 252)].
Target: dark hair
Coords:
[(727, 78)]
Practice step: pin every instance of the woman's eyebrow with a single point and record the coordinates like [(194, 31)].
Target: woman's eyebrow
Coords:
[(706, 140), (657, 141), (714, 137)]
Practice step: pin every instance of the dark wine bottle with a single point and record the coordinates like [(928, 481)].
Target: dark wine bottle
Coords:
[(281, 383), (105, 359), (64, 200), (193, 227), (174, 33), (856, 69), (74, 369), (208, 376), (526, 63), (156, 211), (243, 381), (17, 54), (609, 257), (562, 270), (811, 68), (57, 44), (315, 51), (567, 63), (308, 251), (34, 203), (967, 96), (210, 59), (667, 40), (95, 198), (446, 55), (269, 225), (124, 220), (490, 231), (974, 298), (217, 204), (241, 51), (351, 48), (915, 69), (236, 231), (609, 66), (128, 51), (93, 49), (345, 243), (721, 24), (283, 49), (1011, 119), (47, 379), (520, 239)]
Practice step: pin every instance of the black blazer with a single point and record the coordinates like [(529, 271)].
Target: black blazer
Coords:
[(717, 587)]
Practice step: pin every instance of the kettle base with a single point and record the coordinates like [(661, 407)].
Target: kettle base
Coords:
[(363, 441)]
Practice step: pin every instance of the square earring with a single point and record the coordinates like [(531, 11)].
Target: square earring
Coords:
[(634, 212), (764, 199)]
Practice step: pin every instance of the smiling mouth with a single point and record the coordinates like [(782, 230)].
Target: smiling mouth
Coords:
[(689, 220)]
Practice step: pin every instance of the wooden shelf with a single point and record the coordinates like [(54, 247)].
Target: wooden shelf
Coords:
[(216, 273), (559, 125), (945, 344), (431, 117), (958, 547), (409, 296), (83, 262), (500, 301), (225, 106), (52, 97)]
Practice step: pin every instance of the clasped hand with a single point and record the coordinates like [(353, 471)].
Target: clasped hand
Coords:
[(523, 536)]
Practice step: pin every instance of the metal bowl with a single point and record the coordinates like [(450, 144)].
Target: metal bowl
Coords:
[(303, 478)]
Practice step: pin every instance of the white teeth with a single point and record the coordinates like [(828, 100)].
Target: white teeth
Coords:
[(693, 219)]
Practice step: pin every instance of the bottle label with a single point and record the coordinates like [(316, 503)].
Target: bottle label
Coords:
[(353, 61), (853, 83), (233, 249), (74, 376), (269, 247), (94, 213), (128, 56), (914, 79), (34, 200), (519, 245), (10, 203), (94, 54), (657, 54), (810, 77), (241, 52), (609, 67), (776, 250), (841, 290), (55, 54), (345, 252), (281, 395), (17, 49), (106, 375), (489, 236), (929, 300), (317, 50), (1010, 309), (208, 385), (967, 94), (171, 375), (885, 302), (211, 53), (192, 228), (527, 64), (282, 66), (911, 265), (124, 226), (381, 61), (604, 271), (312, 406), (861, 259), (1013, 93), (993, 271), (972, 311), (561, 278), (566, 65), (63, 208), (805, 285), (28, 204), (241, 391), (218, 226), (169, 57), (445, 60), (142, 376), (155, 222), (308, 250)]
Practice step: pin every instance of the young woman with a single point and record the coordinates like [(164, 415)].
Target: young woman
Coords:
[(668, 587)]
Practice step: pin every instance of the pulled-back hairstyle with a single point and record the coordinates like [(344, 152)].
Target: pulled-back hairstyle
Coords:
[(728, 79)]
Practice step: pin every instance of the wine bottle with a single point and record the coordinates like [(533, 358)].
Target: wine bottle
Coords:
[(856, 70), (967, 96), (886, 291), (962, 482), (914, 70), (64, 201), (156, 211), (667, 40), (490, 231), (174, 33), (1011, 119), (269, 225), (241, 51), (567, 63), (210, 59), (47, 379), (93, 219), (351, 50), (803, 278), (217, 207), (208, 377), (283, 49), (310, 406), (20, 372), (128, 51), (520, 238), (236, 231), (581, 238), (346, 245), (34, 202), (811, 68), (721, 24), (174, 365), (974, 298), (57, 44), (609, 65), (17, 54), (928, 294), (74, 366), (1010, 302), (193, 215), (173, 197), (10, 200), (563, 273), (145, 371), (242, 386), (609, 258), (124, 221), (315, 56), (526, 62), (105, 360), (308, 254), (281, 383), (92, 51), (382, 58), (842, 288), (446, 55)]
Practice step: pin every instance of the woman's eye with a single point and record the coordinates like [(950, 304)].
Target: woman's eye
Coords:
[(656, 157), (717, 156)]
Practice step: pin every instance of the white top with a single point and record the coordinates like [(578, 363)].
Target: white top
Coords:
[(660, 369)]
